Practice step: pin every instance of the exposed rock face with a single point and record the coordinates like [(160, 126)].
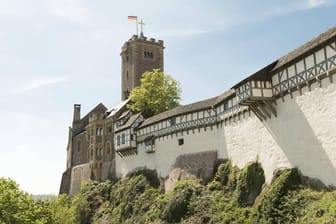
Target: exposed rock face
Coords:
[(197, 165)]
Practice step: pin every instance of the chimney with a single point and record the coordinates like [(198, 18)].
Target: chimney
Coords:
[(77, 116)]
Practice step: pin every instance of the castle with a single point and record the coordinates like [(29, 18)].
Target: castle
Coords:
[(283, 115)]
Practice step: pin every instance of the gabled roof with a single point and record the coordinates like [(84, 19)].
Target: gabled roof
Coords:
[(200, 105), (100, 106), (112, 111), (296, 54), (82, 123), (262, 74), (308, 47), (129, 122)]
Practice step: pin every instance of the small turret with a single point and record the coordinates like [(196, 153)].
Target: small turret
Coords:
[(77, 108)]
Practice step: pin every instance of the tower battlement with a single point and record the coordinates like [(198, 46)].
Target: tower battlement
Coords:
[(138, 55)]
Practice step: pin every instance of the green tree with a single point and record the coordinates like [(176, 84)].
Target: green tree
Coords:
[(17, 206), (157, 93)]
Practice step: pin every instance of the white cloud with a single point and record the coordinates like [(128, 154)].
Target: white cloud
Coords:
[(299, 6), (39, 83), (317, 3)]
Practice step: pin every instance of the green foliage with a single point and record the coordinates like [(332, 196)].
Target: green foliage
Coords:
[(249, 184), (268, 208), (157, 93), (225, 178), (139, 199), (60, 210), (151, 176), (178, 204), (318, 207), (16, 206)]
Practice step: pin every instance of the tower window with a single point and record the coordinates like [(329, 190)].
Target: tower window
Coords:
[(148, 54), (127, 75)]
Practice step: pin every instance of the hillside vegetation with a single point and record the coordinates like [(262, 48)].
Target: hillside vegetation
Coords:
[(233, 196)]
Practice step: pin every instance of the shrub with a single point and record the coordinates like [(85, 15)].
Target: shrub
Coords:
[(268, 207), (151, 176), (177, 206), (249, 184)]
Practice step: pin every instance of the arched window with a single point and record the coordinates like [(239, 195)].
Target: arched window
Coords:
[(108, 148)]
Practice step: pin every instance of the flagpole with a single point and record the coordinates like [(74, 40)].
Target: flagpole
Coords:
[(137, 26)]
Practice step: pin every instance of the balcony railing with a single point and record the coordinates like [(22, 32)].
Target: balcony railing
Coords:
[(254, 90)]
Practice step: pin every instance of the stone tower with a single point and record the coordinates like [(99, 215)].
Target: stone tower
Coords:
[(139, 55)]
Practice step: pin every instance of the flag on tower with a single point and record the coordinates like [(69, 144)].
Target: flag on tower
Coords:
[(132, 18)]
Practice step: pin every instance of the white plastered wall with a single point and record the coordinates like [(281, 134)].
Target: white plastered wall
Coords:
[(305, 130), (302, 135), (247, 140), (167, 150)]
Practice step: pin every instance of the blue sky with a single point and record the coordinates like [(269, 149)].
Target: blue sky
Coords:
[(55, 53)]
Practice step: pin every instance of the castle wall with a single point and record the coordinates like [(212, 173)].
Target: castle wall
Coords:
[(80, 149), (248, 139), (167, 150), (108, 170), (305, 130), (79, 174), (300, 136)]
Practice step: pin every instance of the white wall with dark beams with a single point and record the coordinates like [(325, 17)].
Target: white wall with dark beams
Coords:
[(294, 127)]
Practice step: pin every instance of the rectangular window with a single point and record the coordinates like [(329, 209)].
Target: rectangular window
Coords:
[(181, 141), (173, 121), (78, 146), (149, 142), (123, 138), (118, 140)]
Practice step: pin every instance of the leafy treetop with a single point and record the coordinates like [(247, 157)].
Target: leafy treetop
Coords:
[(157, 93)]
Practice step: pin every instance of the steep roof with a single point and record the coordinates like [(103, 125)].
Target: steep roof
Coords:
[(262, 74), (82, 123), (129, 122), (224, 96), (200, 105), (308, 47), (112, 111)]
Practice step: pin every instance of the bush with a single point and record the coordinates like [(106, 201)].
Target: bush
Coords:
[(151, 176), (225, 177), (268, 207), (249, 184), (177, 206)]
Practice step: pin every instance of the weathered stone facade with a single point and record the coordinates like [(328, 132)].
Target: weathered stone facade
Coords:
[(90, 149), (139, 55)]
